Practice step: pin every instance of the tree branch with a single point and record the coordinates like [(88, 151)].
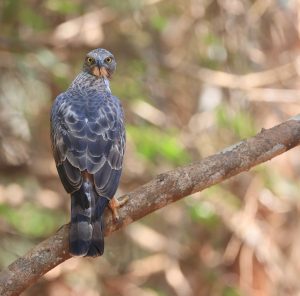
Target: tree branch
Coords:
[(162, 190)]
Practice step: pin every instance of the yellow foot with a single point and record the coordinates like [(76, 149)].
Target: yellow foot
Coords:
[(114, 204)]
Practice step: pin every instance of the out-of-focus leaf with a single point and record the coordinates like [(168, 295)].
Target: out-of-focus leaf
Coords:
[(127, 83), (32, 19), (156, 145), (158, 22), (32, 220), (124, 6), (203, 212), (230, 291), (282, 187), (211, 39), (63, 6), (9, 9), (239, 123)]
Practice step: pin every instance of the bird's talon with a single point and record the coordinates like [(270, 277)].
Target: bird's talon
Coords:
[(114, 204)]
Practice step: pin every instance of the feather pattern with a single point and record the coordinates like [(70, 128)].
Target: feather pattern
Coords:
[(88, 142), (88, 135)]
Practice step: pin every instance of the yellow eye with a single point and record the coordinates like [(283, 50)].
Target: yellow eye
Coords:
[(90, 60), (108, 60)]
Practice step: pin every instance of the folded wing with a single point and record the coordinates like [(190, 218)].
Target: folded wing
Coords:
[(88, 138)]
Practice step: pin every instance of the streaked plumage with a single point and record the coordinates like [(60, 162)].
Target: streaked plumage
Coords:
[(88, 140)]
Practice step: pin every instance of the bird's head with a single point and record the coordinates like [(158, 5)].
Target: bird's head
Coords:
[(100, 63)]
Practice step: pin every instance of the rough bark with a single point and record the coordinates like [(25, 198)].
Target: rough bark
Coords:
[(162, 190)]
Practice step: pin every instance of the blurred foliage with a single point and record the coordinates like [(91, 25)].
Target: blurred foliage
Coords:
[(203, 213), (239, 123), (194, 77), (157, 146), (40, 222)]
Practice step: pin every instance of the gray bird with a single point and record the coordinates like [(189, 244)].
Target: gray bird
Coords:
[(88, 142)]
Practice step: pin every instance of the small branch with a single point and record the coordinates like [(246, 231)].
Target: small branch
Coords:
[(162, 190)]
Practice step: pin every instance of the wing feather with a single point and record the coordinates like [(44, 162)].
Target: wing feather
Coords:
[(95, 145)]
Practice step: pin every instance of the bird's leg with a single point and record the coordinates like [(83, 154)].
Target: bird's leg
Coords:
[(114, 204)]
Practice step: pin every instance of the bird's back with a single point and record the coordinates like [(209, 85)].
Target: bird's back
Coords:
[(88, 140)]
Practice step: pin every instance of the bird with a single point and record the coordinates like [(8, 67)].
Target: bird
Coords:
[(88, 143)]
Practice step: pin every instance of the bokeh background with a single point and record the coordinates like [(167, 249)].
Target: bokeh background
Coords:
[(194, 77)]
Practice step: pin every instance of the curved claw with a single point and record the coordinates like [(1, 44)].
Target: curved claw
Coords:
[(114, 204)]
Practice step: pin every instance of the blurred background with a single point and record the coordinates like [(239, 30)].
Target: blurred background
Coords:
[(194, 77)]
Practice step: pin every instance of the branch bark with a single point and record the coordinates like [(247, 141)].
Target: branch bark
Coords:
[(162, 190)]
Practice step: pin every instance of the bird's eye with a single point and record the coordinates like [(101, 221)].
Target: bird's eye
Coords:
[(108, 60), (90, 60)]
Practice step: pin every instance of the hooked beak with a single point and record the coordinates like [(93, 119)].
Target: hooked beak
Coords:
[(100, 71)]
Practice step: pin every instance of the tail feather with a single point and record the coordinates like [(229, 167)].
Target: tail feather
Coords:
[(86, 231), (81, 215), (97, 242)]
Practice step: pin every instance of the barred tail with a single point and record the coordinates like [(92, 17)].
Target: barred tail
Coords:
[(86, 235), (82, 204), (97, 242)]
